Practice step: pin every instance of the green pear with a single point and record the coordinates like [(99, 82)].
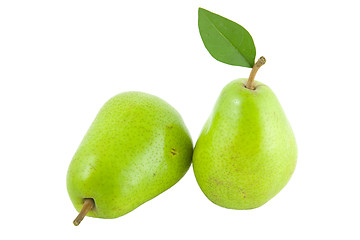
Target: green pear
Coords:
[(137, 147), (246, 152)]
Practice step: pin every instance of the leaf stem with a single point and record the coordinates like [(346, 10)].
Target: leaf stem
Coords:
[(88, 205), (258, 64)]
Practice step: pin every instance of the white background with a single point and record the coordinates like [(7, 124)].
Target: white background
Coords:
[(60, 61)]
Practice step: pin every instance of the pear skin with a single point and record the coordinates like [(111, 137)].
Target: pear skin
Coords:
[(246, 152), (136, 148)]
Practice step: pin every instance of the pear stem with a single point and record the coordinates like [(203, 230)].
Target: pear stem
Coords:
[(258, 64), (88, 205)]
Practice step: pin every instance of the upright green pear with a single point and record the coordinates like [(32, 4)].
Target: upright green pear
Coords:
[(246, 152), (137, 147)]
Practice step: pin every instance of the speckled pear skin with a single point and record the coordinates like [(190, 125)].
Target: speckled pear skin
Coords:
[(137, 147), (246, 152)]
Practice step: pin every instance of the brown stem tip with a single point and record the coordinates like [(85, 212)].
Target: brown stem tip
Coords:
[(88, 205), (258, 64)]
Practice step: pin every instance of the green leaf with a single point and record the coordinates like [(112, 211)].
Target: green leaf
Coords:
[(226, 41)]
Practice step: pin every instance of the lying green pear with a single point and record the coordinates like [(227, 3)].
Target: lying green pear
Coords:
[(246, 152), (137, 147)]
